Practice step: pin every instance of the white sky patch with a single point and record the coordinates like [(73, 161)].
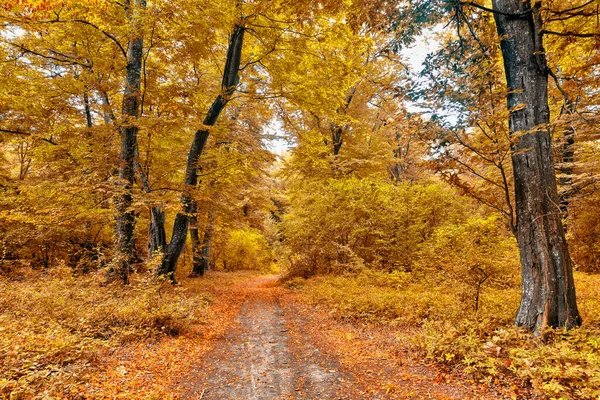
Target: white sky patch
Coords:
[(11, 32), (416, 53), (275, 140), (415, 56)]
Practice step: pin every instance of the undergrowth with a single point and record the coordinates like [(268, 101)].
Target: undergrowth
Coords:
[(445, 327), (54, 327)]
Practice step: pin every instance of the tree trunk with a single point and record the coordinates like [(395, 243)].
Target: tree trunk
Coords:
[(180, 227), (88, 111), (336, 138), (207, 242), (567, 154), (548, 292), (202, 251), (157, 238), (337, 130), (125, 226), (197, 269)]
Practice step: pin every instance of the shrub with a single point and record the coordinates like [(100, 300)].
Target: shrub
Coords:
[(584, 232), (475, 254), (349, 223), (485, 344)]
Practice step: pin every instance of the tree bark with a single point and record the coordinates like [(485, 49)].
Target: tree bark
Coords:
[(197, 269), (201, 251), (548, 291), (180, 226), (337, 130), (567, 155), (336, 139), (88, 111), (157, 238), (125, 225), (207, 242)]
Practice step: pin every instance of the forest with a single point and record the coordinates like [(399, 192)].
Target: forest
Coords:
[(272, 199)]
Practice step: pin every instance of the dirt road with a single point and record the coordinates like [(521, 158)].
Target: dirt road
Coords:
[(257, 360), (274, 352)]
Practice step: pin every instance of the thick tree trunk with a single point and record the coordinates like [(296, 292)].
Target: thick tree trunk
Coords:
[(180, 227), (548, 292), (125, 226)]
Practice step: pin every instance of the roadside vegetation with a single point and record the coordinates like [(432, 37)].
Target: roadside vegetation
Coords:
[(437, 322), (68, 336)]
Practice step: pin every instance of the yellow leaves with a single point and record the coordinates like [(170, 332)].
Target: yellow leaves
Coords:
[(348, 224), (69, 337), (246, 249), (518, 107)]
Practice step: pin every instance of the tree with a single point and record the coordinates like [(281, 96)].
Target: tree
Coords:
[(124, 231), (548, 291), (180, 226), (477, 144), (57, 57)]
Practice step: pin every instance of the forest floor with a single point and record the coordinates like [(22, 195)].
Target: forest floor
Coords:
[(238, 335), (277, 347)]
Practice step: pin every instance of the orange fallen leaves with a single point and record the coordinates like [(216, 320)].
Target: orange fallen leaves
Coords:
[(379, 363), (156, 369), (73, 338)]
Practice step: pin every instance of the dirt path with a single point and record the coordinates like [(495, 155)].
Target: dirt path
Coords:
[(257, 360), (277, 350)]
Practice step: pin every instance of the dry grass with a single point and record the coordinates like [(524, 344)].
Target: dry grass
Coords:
[(63, 336)]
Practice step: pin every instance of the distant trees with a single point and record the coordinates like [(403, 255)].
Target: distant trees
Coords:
[(346, 224)]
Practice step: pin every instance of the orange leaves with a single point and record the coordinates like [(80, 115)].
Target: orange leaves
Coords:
[(380, 358), (43, 10), (30, 6), (66, 336)]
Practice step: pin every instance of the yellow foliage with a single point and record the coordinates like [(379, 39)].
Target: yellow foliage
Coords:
[(245, 249), (485, 345), (341, 224), (475, 254), (584, 233)]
